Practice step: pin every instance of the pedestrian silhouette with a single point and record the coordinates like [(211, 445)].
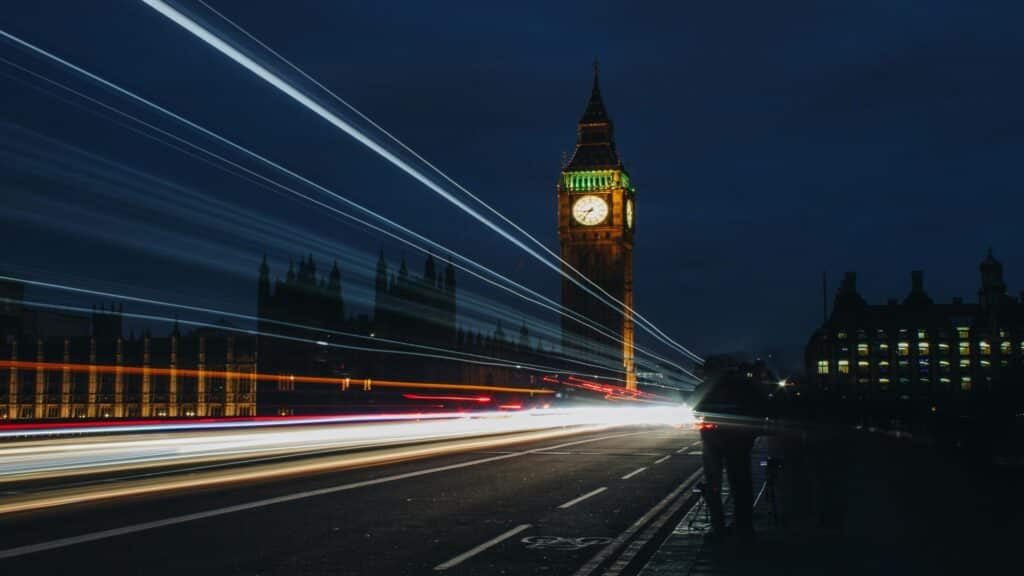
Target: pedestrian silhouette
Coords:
[(732, 412)]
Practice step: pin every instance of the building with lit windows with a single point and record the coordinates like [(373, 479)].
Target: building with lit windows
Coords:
[(914, 357), (102, 375)]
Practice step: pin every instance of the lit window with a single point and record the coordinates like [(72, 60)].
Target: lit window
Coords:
[(863, 364), (923, 362), (943, 348), (884, 347), (922, 334), (904, 363), (841, 335), (883, 381), (1002, 333), (986, 364), (883, 363), (984, 348), (862, 350), (965, 383), (903, 348), (963, 332), (1006, 348), (965, 362), (923, 349), (964, 348), (822, 366), (844, 366), (944, 380)]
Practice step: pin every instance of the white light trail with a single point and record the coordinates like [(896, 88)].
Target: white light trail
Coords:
[(324, 447), (649, 325), (266, 75), (537, 298), (95, 450)]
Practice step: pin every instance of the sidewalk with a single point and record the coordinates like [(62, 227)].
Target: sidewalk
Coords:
[(860, 504)]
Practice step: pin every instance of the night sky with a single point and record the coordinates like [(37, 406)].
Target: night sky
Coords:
[(769, 142)]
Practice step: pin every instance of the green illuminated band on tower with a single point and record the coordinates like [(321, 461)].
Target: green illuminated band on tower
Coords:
[(587, 180)]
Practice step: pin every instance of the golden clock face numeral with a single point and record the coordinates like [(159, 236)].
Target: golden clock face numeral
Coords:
[(629, 214), (590, 210)]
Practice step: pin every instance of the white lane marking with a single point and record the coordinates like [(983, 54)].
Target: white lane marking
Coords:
[(633, 473), (638, 544), (696, 453), (606, 552), (681, 450), (141, 527), (575, 501), (480, 548), (662, 459)]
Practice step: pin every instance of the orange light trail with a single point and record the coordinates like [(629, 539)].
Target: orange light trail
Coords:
[(189, 372)]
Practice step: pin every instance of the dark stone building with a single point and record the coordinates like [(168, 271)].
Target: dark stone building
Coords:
[(916, 360), (412, 336)]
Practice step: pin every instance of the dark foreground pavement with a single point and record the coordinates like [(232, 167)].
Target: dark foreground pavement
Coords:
[(572, 505), (862, 503)]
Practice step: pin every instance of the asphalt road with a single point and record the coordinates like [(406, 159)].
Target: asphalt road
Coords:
[(545, 507)]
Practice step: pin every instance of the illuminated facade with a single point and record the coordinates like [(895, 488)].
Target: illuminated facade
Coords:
[(207, 373), (596, 218), (919, 357)]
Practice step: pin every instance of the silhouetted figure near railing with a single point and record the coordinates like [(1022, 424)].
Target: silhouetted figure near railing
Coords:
[(732, 411)]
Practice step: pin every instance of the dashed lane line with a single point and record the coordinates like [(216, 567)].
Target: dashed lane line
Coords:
[(480, 548), (579, 499), (606, 553), (633, 473)]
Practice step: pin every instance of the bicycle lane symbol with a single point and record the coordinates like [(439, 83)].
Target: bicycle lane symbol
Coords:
[(560, 543)]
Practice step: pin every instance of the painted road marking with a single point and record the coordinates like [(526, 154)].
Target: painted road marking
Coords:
[(638, 544), (480, 548), (681, 450), (662, 459), (606, 552), (575, 501), (174, 520), (696, 453), (633, 473), (560, 543)]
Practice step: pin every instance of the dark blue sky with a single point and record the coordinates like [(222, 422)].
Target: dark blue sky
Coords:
[(769, 141)]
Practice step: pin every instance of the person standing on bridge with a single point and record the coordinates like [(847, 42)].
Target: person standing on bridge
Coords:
[(732, 410)]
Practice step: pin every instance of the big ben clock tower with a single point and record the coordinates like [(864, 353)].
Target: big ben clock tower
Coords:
[(596, 214)]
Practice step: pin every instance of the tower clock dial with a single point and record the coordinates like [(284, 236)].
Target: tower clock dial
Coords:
[(629, 214), (590, 210)]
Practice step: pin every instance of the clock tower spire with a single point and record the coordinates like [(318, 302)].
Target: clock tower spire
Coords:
[(595, 229)]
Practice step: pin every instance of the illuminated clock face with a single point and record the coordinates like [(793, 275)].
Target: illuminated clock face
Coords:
[(629, 214), (590, 210)]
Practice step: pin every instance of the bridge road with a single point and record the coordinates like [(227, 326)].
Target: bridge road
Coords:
[(545, 507)]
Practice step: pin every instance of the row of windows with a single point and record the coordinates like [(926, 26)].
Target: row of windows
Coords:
[(962, 332), (843, 366), (925, 348), (884, 381)]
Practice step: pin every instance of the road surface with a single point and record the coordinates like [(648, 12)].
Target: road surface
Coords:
[(576, 504)]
